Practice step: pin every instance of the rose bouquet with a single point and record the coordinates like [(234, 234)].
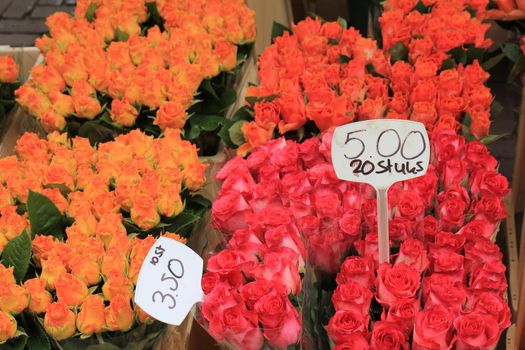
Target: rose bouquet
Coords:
[(119, 65), (446, 285), (323, 76), (86, 218)]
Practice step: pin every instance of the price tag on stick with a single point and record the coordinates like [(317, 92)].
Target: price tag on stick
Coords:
[(169, 282), (381, 152)]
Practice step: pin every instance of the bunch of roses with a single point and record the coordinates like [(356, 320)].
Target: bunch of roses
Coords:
[(103, 64), (253, 288), (446, 285), (85, 285), (136, 180), (315, 74), (433, 32), (303, 80)]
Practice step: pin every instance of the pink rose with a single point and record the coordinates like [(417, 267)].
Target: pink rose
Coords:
[(489, 277), (403, 313), (309, 153), (253, 291), (350, 225), (357, 269), (476, 331), (353, 341), (229, 212), (327, 202), (413, 254), (433, 329), (327, 249), (345, 323), (400, 229), (246, 241), (454, 173), (487, 182), (446, 145), (451, 214), (477, 157), (352, 296), (441, 290), (396, 283), (447, 241), (490, 208), (448, 263), (478, 228), (241, 328), (388, 335), (427, 228), (284, 237), (282, 267), (495, 306), (410, 205), (481, 251), (231, 264)]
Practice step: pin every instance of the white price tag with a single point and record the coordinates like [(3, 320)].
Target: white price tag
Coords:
[(381, 152), (169, 283)]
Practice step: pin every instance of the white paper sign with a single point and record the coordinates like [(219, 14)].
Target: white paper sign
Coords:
[(169, 283), (381, 152)]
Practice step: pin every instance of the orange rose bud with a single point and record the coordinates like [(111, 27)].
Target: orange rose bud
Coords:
[(142, 316), (194, 175), (13, 298), (6, 274), (3, 242), (8, 70), (86, 269), (171, 115), (169, 203), (176, 237), (91, 318), (8, 326), (140, 249), (40, 298), (144, 212), (42, 247), (86, 107), (227, 54), (70, 289), (52, 268), (117, 284), (59, 321), (109, 225), (47, 79), (114, 260), (52, 121), (11, 224), (119, 315), (122, 243), (86, 223), (62, 104), (123, 112)]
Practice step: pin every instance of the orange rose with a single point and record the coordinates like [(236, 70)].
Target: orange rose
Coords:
[(226, 54), (371, 109), (59, 321), (74, 69), (144, 212), (194, 175), (64, 252), (40, 298), (11, 224), (85, 269), (447, 121), (62, 104), (5, 197), (480, 125), (122, 243), (425, 113), (52, 268), (91, 317), (70, 289), (140, 249), (8, 70), (6, 274), (52, 121), (90, 248), (42, 247), (110, 225), (114, 260), (32, 99), (255, 136), (142, 316), (171, 115), (169, 203), (56, 197), (13, 298), (47, 79), (117, 284), (86, 107), (86, 223), (123, 112), (8, 326), (3, 242), (119, 315)]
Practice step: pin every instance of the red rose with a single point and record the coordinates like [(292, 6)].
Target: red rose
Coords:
[(489, 182), (447, 241), (441, 290), (490, 208), (448, 263), (308, 225), (253, 291), (478, 228), (229, 212), (477, 157), (424, 112), (413, 254), (410, 205), (424, 91), (369, 247), (427, 229), (451, 214), (489, 277), (214, 305), (281, 322), (281, 267), (425, 186), (231, 264), (454, 173), (309, 152), (327, 202), (371, 108), (353, 341), (495, 306), (246, 241), (481, 251), (419, 48), (401, 76), (209, 281), (433, 328), (456, 193), (357, 269), (350, 225), (403, 313), (326, 250), (476, 331), (369, 213), (388, 336), (331, 30), (395, 283), (352, 296), (284, 237), (446, 145), (400, 229), (345, 323), (241, 328)]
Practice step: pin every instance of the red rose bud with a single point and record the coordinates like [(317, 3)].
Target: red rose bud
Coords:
[(59, 321)]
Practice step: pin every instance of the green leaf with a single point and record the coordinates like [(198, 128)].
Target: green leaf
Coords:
[(206, 86), (235, 133), (278, 29), (96, 133), (492, 62), (91, 11), (154, 14), (209, 122), (251, 100), (228, 98), (398, 52), (198, 203), (491, 138), (475, 53), (344, 59), (517, 69), (224, 134), (18, 342), (38, 339), (121, 35), (495, 108), (342, 22), (512, 51), (44, 216), (421, 8), (193, 133), (17, 253)]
